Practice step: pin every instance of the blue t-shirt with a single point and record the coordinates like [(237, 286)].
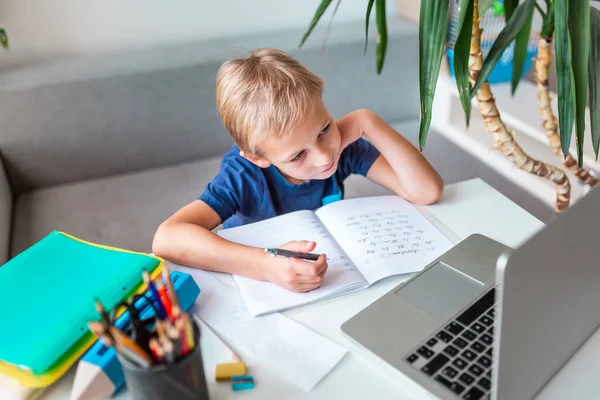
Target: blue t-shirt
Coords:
[(242, 192)]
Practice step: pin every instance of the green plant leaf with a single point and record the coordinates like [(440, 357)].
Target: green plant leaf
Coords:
[(462, 50), (484, 5), (318, 14), (594, 75), (369, 8), (463, 13), (542, 13), (548, 22), (509, 8), (520, 52), (433, 22), (579, 31), (508, 34), (566, 103), (3, 38), (381, 34)]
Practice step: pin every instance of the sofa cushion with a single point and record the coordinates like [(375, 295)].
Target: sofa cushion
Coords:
[(6, 204), (124, 211)]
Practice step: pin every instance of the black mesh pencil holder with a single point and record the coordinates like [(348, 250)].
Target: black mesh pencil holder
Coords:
[(182, 380)]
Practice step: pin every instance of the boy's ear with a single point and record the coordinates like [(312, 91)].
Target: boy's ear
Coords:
[(256, 160)]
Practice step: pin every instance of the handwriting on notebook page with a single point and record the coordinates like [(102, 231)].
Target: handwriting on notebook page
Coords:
[(391, 233)]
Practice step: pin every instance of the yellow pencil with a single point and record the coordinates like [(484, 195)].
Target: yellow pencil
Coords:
[(160, 329), (189, 332), (122, 340), (176, 312), (125, 352)]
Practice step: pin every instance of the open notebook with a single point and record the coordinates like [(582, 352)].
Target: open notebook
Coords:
[(365, 240)]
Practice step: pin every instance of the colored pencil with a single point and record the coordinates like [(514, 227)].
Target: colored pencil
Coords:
[(152, 289), (164, 297), (123, 341), (167, 277), (157, 350), (103, 314), (180, 326), (189, 331), (169, 351)]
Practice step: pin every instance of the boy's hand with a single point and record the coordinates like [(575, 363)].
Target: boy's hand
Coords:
[(296, 274)]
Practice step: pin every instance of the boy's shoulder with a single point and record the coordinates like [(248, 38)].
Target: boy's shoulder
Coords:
[(232, 160), (236, 169), (235, 186)]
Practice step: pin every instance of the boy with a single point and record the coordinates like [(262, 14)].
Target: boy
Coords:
[(290, 155)]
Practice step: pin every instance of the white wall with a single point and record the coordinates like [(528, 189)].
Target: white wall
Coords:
[(50, 27)]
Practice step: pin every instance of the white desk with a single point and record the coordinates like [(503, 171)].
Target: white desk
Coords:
[(467, 207)]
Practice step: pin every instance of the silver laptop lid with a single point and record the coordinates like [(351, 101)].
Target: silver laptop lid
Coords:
[(549, 302)]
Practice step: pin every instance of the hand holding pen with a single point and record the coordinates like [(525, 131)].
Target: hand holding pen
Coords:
[(290, 268)]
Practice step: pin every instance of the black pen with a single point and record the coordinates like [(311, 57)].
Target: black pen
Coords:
[(293, 254)]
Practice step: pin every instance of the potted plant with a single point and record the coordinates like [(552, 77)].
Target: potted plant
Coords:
[(578, 64)]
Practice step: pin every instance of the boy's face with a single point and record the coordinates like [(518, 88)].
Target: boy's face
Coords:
[(311, 151)]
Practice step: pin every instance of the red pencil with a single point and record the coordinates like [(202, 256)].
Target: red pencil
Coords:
[(157, 350), (164, 298), (183, 340)]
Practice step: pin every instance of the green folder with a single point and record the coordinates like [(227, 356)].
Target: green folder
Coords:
[(47, 295)]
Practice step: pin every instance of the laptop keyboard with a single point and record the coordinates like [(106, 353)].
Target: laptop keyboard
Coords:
[(459, 357)]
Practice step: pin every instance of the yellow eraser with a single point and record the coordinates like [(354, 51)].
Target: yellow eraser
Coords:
[(224, 372)]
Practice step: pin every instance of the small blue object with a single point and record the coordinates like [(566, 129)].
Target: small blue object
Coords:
[(106, 358), (243, 382), (502, 72), (332, 198)]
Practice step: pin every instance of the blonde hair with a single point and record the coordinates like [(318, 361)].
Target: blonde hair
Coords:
[(266, 93)]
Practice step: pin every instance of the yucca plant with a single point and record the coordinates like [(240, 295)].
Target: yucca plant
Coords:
[(471, 72), (572, 56)]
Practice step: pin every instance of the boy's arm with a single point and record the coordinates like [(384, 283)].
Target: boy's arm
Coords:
[(400, 166), (186, 238)]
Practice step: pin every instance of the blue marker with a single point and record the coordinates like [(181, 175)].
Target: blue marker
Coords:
[(99, 373)]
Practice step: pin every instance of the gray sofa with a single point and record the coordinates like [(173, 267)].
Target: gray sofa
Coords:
[(106, 147)]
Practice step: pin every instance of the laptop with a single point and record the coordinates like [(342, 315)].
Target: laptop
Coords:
[(484, 321)]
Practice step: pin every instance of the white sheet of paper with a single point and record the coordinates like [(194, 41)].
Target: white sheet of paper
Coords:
[(280, 344)]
